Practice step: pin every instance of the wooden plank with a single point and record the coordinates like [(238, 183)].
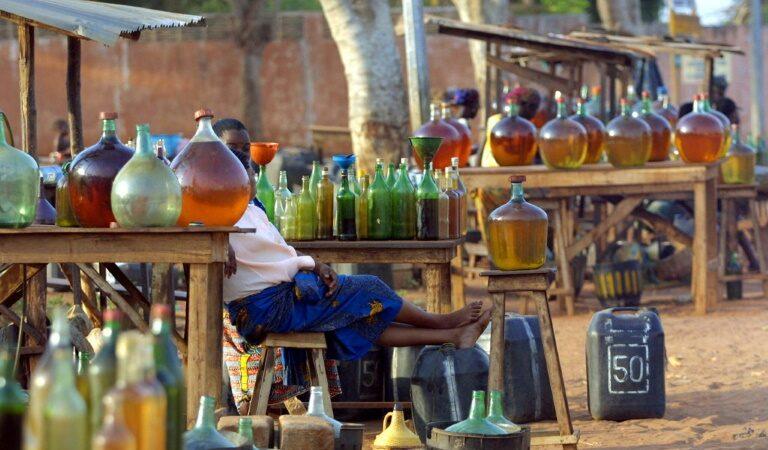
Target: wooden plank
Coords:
[(263, 384), (13, 278), (36, 310), (548, 271), (33, 332), (27, 89), (58, 231), (138, 300), (382, 256), (496, 369), (563, 265), (321, 378), (162, 284), (622, 210), (115, 296), (704, 276), (518, 283), (74, 109), (759, 244), (437, 282), (553, 82), (664, 226), (204, 315), (545, 439), (377, 245), (457, 282), (296, 340)]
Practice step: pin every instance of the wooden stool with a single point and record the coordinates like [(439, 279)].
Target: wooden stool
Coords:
[(532, 284), (314, 344)]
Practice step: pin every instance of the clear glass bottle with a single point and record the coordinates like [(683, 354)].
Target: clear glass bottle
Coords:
[(114, 434), (145, 192), (81, 379), (724, 121), (65, 422), (496, 413), (325, 201), (699, 136), (288, 221), (517, 232), (346, 228), (562, 141), (661, 131), (454, 210), (437, 127), (19, 182), (245, 430), (266, 193), (428, 207), (463, 199), (513, 139), (477, 423), (739, 164), (204, 435), (465, 146), (628, 140), (215, 187), (595, 132), (403, 205), (379, 206), (170, 373), (282, 195), (314, 178), (102, 371), (316, 408), (64, 215), (13, 402), (361, 208), (306, 213), (91, 175), (45, 214)]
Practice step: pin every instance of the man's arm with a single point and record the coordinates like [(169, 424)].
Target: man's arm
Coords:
[(328, 275)]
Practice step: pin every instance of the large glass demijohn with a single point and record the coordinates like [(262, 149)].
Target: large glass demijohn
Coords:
[(628, 143), (699, 136), (19, 182), (563, 141), (513, 139)]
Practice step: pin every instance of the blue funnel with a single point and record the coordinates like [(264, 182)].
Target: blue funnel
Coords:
[(344, 161)]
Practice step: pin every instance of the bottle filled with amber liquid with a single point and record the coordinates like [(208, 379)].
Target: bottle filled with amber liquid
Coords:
[(661, 131), (595, 132), (325, 201), (739, 164), (628, 141), (563, 141), (699, 136)]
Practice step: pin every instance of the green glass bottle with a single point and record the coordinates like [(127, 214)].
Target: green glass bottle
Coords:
[(282, 194), (266, 193), (13, 403), (391, 175), (325, 200), (81, 380), (444, 205), (379, 206), (65, 417), (476, 423), (169, 373), (345, 210), (361, 209), (403, 205), (288, 221), (354, 185), (427, 207), (19, 183), (204, 435), (463, 197), (306, 213), (65, 217), (245, 430), (317, 175), (102, 371), (496, 413)]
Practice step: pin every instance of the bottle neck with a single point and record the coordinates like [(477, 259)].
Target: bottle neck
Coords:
[(161, 326), (6, 369), (283, 181), (647, 108), (204, 131), (305, 184), (344, 180), (206, 415), (63, 371), (581, 109), (665, 101), (513, 110), (561, 110), (477, 409), (626, 111), (316, 406), (110, 332), (705, 105), (434, 112), (245, 429), (735, 133), (143, 143), (379, 170), (495, 404), (108, 129), (517, 192), (446, 111), (698, 106), (3, 139)]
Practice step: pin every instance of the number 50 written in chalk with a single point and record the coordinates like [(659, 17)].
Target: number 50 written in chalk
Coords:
[(628, 369)]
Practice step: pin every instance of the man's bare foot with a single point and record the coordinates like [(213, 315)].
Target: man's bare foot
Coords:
[(468, 335), (466, 315)]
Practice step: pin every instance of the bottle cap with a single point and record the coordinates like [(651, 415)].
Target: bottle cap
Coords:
[(203, 112), (107, 115), (112, 314), (161, 310), (517, 179), (623, 101), (646, 94)]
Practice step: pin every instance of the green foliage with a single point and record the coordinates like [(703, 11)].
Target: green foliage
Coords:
[(179, 6), (565, 6)]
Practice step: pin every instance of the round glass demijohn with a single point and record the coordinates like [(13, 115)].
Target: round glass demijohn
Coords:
[(563, 141), (513, 139), (628, 141), (19, 182), (699, 136), (437, 127), (465, 146), (145, 193), (64, 215), (661, 130), (739, 164), (215, 188), (724, 121), (595, 132), (517, 232)]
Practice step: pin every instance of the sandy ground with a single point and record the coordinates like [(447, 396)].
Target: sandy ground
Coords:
[(716, 378)]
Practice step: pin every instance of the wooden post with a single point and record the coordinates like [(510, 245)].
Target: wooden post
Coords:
[(162, 287), (704, 276), (36, 305), (487, 88), (27, 89), (496, 369), (74, 111), (416, 62), (709, 72), (437, 280)]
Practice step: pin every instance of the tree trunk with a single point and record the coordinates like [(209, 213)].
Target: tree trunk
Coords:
[(621, 16), (365, 37)]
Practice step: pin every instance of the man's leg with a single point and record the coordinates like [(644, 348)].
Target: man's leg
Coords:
[(413, 315), (399, 335)]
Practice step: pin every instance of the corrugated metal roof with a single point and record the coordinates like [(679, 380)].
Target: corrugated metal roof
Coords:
[(102, 22)]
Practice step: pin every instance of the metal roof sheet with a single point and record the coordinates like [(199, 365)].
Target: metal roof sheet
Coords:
[(102, 22)]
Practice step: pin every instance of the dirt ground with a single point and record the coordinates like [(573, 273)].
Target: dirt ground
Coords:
[(716, 377)]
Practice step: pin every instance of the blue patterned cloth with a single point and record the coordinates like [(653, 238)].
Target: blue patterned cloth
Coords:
[(352, 319)]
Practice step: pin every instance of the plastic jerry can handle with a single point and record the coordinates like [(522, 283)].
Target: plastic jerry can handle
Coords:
[(387, 417), (634, 309)]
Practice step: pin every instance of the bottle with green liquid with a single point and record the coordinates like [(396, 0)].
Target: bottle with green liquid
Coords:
[(379, 206), (288, 221), (306, 213), (315, 177), (391, 175), (169, 373), (354, 185), (13, 403), (282, 194), (403, 205), (361, 209), (325, 200), (265, 192), (102, 371), (345, 210), (427, 207)]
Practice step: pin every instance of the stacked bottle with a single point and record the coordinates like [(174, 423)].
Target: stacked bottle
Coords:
[(379, 206), (428, 207), (324, 201), (403, 205), (306, 213), (345, 210)]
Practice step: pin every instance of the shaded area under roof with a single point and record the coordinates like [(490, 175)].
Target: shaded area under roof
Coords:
[(101, 22)]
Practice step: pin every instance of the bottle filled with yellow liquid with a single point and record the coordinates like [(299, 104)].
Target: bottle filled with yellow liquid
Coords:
[(325, 195), (628, 141), (699, 136), (144, 401), (724, 121), (114, 434), (739, 164), (517, 232), (563, 141)]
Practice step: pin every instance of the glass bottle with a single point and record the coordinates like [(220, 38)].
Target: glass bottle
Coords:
[(477, 423), (306, 213), (65, 414), (13, 403), (454, 210), (102, 371), (562, 141), (215, 188), (739, 164), (354, 184), (161, 153), (427, 207), (379, 206), (628, 140), (496, 413), (91, 175), (361, 209), (288, 221), (443, 207), (42, 381), (144, 403), (699, 136), (463, 197), (403, 205), (81, 378), (595, 132), (315, 177), (266, 193), (170, 374), (465, 143), (345, 210), (391, 175), (316, 408), (45, 214), (282, 195), (665, 109), (513, 139), (517, 232), (114, 434), (437, 127), (245, 430), (204, 435), (145, 192), (324, 201), (19, 182), (65, 217), (707, 107), (661, 131)]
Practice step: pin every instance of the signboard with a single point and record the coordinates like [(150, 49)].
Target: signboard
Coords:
[(692, 68)]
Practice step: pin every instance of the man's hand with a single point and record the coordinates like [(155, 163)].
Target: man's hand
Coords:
[(230, 267), (329, 277)]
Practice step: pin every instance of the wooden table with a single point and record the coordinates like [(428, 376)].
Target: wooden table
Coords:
[(436, 257), (632, 185), (204, 249)]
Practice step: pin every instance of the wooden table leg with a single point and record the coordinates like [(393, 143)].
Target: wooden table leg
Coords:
[(704, 276), (721, 243), (437, 280), (758, 243), (457, 282), (204, 353), (563, 266), (36, 304), (496, 370), (162, 287)]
